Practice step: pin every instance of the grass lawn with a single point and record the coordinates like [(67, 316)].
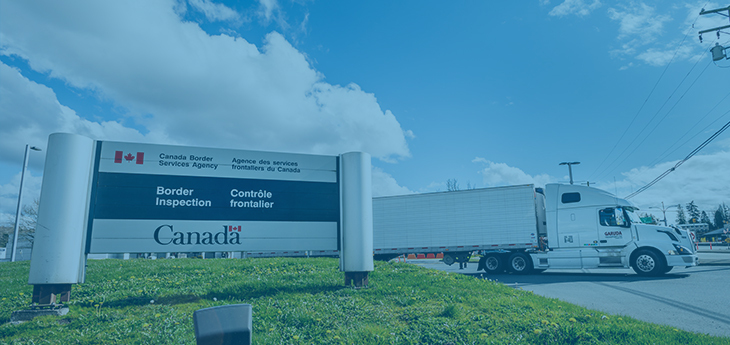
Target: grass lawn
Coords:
[(304, 301)]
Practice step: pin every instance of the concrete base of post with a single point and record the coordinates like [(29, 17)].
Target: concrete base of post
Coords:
[(20, 316), (358, 279), (47, 300)]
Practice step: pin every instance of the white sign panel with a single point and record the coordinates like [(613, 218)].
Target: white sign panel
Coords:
[(137, 158)]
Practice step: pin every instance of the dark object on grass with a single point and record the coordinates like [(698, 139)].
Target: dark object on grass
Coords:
[(223, 325)]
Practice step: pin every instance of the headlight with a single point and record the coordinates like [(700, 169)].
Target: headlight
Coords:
[(681, 250)]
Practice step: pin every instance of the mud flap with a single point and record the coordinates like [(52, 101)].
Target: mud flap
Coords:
[(482, 264)]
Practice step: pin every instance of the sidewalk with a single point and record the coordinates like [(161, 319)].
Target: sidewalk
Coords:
[(715, 257)]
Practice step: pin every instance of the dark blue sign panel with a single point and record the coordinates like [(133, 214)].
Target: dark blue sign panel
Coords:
[(135, 196)]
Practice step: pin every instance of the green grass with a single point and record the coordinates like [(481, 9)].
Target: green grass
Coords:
[(304, 301)]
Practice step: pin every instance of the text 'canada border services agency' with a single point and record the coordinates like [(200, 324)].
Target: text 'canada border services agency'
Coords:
[(181, 161)]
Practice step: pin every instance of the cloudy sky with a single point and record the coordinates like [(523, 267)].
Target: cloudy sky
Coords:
[(487, 93)]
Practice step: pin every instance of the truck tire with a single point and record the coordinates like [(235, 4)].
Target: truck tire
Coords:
[(519, 263), (648, 263), (492, 263)]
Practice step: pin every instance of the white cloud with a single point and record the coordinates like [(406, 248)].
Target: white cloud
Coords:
[(30, 112), (625, 67), (661, 57), (214, 12), (386, 185), (434, 187), (185, 86), (640, 21), (267, 9), (643, 33), (501, 174), (578, 7)]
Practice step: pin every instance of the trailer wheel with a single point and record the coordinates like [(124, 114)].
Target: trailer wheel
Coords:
[(492, 263), (519, 263), (647, 263), (448, 259)]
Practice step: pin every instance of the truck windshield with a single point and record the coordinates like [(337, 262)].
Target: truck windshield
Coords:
[(631, 215)]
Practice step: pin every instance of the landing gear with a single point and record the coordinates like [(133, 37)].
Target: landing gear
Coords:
[(461, 257)]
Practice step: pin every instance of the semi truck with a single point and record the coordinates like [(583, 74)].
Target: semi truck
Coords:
[(523, 229)]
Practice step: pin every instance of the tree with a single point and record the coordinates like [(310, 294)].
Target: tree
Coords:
[(693, 212), (5, 233), (681, 219), (720, 217), (26, 226), (704, 218), (452, 185)]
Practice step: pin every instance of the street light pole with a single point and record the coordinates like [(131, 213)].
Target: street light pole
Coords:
[(20, 200), (570, 169), (664, 211)]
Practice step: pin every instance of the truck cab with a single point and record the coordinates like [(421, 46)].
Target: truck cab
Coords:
[(591, 228)]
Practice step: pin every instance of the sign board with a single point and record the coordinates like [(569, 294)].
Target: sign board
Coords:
[(163, 198), (114, 197)]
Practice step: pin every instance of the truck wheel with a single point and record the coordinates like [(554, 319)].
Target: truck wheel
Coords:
[(492, 263), (448, 259), (648, 263), (519, 263)]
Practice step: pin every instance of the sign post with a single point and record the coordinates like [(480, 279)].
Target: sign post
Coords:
[(117, 197), (356, 257)]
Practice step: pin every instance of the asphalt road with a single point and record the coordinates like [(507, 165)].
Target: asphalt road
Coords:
[(694, 299)]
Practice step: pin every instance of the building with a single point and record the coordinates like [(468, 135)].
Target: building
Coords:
[(719, 235), (697, 228)]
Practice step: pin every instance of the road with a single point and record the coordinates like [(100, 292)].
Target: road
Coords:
[(694, 299)]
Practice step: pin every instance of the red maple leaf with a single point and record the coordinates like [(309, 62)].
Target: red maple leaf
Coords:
[(129, 157)]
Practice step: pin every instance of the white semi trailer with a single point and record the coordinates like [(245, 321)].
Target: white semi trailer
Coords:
[(525, 229)]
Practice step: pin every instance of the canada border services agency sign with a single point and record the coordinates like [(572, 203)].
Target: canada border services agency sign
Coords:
[(162, 198), (115, 197)]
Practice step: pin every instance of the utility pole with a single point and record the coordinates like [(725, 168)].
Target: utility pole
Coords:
[(570, 169), (718, 51)]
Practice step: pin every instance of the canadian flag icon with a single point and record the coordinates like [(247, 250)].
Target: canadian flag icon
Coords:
[(119, 156), (234, 228)]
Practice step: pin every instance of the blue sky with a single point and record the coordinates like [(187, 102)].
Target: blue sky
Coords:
[(487, 93)]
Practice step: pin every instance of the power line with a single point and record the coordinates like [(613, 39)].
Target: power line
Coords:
[(655, 115), (664, 154), (667, 114), (647, 97), (690, 155)]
